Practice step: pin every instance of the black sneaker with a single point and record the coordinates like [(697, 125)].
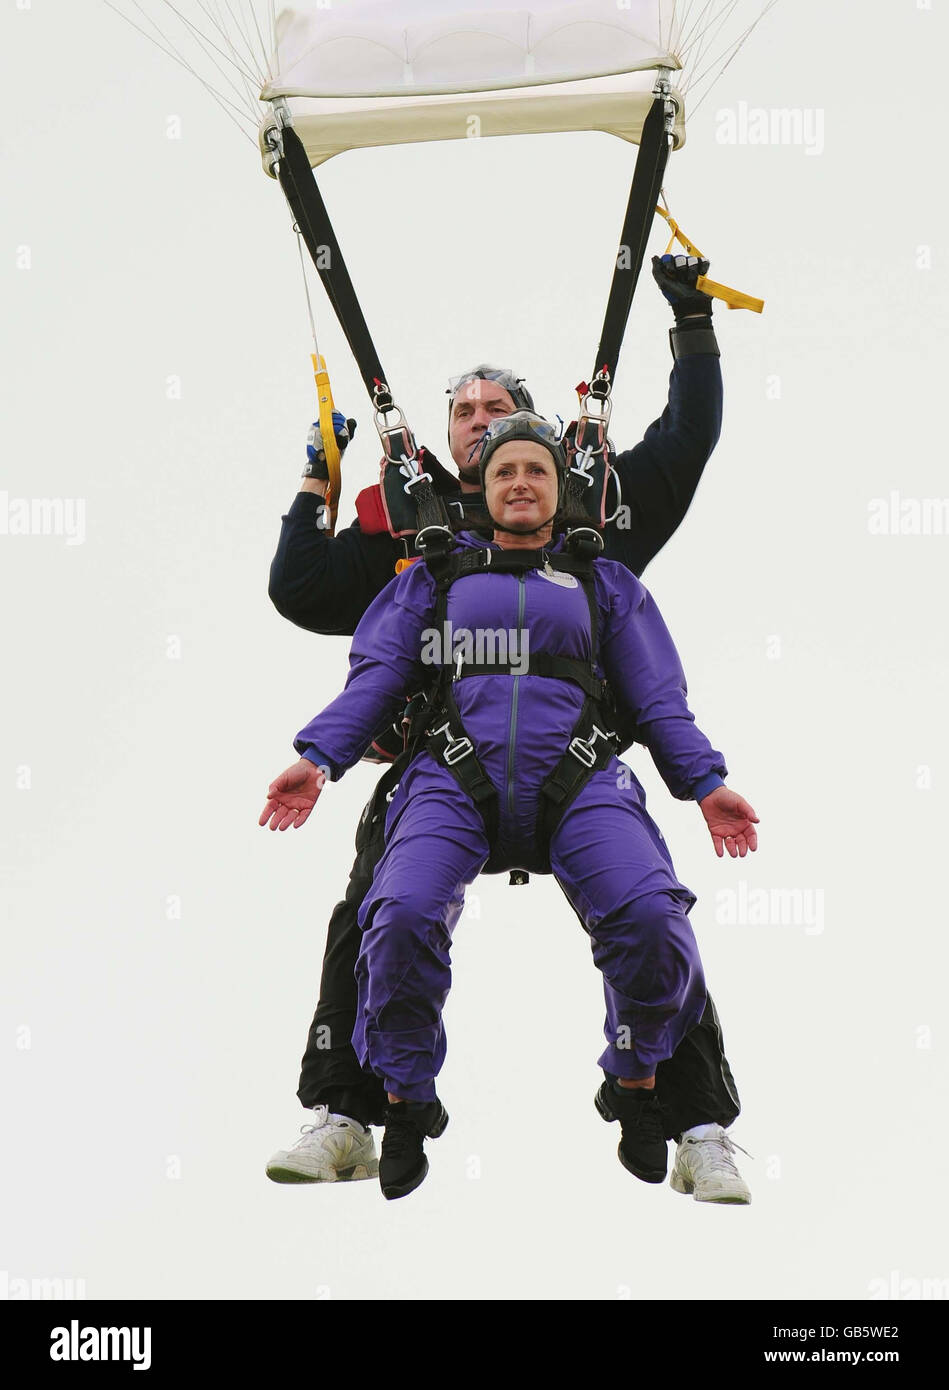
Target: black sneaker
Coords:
[(402, 1162), (643, 1149)]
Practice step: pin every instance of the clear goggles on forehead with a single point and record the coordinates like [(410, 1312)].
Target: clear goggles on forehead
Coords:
[(521, 421), (502, 375)]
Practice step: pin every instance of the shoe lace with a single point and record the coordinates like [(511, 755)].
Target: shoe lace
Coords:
[(717, 1151), (320, 1117), (401, 1136), (646, 1119)]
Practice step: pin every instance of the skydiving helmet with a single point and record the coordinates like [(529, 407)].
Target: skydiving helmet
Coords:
[(525, 424)]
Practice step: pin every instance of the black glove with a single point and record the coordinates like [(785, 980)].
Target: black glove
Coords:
[(343, 429), (676, 277)]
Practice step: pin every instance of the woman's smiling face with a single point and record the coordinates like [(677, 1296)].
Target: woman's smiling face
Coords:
[(520, 485)]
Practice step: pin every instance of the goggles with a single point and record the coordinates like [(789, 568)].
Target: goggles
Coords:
[(511, 382), (522, 423)]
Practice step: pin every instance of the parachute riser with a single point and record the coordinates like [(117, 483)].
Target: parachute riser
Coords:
[(312, 220), (654, 147)]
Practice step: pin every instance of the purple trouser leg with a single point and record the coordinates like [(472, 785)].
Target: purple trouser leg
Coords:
[(435, 847), (613, 864)]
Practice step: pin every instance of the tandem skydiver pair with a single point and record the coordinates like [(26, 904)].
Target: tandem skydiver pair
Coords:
[(325, 584), (520, 772)]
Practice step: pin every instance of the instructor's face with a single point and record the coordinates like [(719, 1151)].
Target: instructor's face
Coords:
[(475, 406)]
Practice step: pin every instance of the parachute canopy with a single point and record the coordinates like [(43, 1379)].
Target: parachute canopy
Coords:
[(365, 72), (357, 73)]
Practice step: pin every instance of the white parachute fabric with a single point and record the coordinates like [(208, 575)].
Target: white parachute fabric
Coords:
[(353, 73), (430, 47), (364, 73)]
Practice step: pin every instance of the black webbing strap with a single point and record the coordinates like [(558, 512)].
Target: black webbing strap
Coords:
[(477, 560), (434, 537), (592, 744), (310, 215), (558, 668), (378, 803), (451, 747), (643, 196), (593, 740)]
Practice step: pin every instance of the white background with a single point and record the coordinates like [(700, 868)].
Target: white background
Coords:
[(149, 1063)]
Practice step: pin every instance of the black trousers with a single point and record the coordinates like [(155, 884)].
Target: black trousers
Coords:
[(695, 1085)]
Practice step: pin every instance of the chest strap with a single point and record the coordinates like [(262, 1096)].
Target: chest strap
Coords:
[(563, 668)]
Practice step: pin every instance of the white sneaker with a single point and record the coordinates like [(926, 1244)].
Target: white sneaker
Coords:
[(704, 1167), (334, 1148)]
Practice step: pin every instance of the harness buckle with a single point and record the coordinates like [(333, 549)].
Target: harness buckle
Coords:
[(583, 462), (582, 748), (414, 478), (455, 748)]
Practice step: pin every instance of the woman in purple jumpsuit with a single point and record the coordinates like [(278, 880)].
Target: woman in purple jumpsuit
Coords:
[(605, 851)]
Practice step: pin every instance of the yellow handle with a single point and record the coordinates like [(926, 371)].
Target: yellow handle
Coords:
[(735, 299), (328, 435)]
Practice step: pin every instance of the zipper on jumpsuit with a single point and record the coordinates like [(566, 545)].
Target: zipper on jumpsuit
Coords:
[(521, 599)]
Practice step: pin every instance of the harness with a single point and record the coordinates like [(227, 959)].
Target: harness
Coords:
[(600, 731)]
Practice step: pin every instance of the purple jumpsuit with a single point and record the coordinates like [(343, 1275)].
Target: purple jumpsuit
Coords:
[(607, 853)]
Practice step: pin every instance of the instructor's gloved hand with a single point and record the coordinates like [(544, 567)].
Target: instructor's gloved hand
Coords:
[(315, 455), (676, 277)]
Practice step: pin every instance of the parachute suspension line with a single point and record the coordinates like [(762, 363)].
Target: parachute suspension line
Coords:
[(250, 73), (728, 54), (695, 30), (207, 44), (260, 40), (225, 103), (240, 24), (306, 289), (705, 37)]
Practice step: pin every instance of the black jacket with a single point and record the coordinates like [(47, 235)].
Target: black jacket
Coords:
[(326, 583)]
